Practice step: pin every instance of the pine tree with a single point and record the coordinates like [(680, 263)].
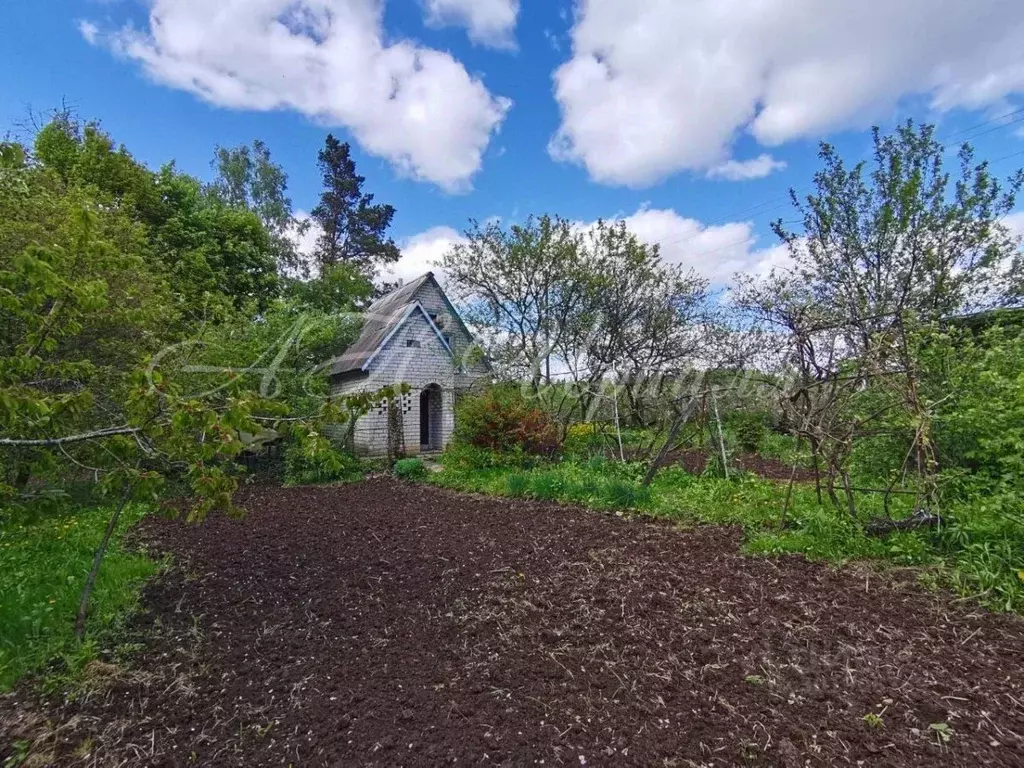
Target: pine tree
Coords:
[(352, 226)]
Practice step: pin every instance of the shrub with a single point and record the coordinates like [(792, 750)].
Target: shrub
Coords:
[(501, 421), (313, 461), (584, 439), (750, 429), (410, 469)]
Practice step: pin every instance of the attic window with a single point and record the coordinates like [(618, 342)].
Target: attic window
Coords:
[(412, 342)]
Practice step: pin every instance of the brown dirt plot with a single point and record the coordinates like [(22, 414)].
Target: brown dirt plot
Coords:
[(391, 624)]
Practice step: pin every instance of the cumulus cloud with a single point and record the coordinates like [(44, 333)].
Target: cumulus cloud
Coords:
[(716, 252), (328, 59), (422, 253), (489, 22), (89, 31), (653, 88), (745, 170)]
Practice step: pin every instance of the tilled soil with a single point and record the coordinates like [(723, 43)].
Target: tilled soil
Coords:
[(391, 624)]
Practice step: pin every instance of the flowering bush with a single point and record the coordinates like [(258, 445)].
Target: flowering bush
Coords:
[(503, 421)]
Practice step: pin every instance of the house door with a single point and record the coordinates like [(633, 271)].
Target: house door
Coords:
[(425, 419), (430, 418)]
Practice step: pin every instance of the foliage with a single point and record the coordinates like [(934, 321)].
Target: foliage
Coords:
[(143, 340), (312, 460), (248, 178), (749, 430), (596, 301), (410, 469), (502, 421), (352, 226), (43, 564)]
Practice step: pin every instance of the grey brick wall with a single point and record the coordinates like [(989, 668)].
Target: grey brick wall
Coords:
[(433, 301), (424, 363)]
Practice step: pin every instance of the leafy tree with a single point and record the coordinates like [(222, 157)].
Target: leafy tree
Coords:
[(213, 252), (908, 236), (521, 286), (352, 226), (883, 259), (247, 177), (641, 319), (338, 288), (136, 315)]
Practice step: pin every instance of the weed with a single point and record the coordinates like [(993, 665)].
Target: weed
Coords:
[(620, 494), (518, 484), (545, 485), (873, 721), (943, 733), (754, 680)]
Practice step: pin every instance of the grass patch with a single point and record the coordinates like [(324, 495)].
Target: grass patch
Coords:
[(43, 565)]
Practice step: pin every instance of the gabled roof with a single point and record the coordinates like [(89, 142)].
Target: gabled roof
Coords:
[(383, 320)]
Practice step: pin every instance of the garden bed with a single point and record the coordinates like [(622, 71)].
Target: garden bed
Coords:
[(387, 623)]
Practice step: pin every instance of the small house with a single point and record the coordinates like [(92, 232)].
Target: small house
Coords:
[(413, 336)]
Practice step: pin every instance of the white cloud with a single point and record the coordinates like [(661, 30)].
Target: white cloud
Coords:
[(745, 170), (489, 22), (328, 59), (305, 234), (653, 88), (716, 252), (89, 31), (1015, 223), (422, 253)]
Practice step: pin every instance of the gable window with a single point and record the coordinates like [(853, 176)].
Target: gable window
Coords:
[(412, 342)]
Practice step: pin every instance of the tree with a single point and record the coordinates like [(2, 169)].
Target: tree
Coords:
[(641, 319), (247, 177), (884, 258), (352, 226), (212, 255), (521, 287), (907, 237)]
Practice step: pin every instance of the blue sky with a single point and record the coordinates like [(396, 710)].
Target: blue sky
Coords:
[(690, 119)]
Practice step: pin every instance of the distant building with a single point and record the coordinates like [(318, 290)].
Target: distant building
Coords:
[(412, 335)]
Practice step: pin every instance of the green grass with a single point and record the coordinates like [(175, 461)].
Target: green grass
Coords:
[(43, 565), (975, 556)]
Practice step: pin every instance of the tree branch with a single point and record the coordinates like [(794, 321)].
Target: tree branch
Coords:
[(15, 442)]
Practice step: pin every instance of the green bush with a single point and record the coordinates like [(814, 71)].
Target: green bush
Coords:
[(314, 462), (410, 469), (749, 429)]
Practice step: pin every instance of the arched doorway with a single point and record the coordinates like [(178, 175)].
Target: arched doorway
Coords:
[(430, 418)]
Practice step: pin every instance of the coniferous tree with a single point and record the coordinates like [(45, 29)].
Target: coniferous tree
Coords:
[(352, 226)]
